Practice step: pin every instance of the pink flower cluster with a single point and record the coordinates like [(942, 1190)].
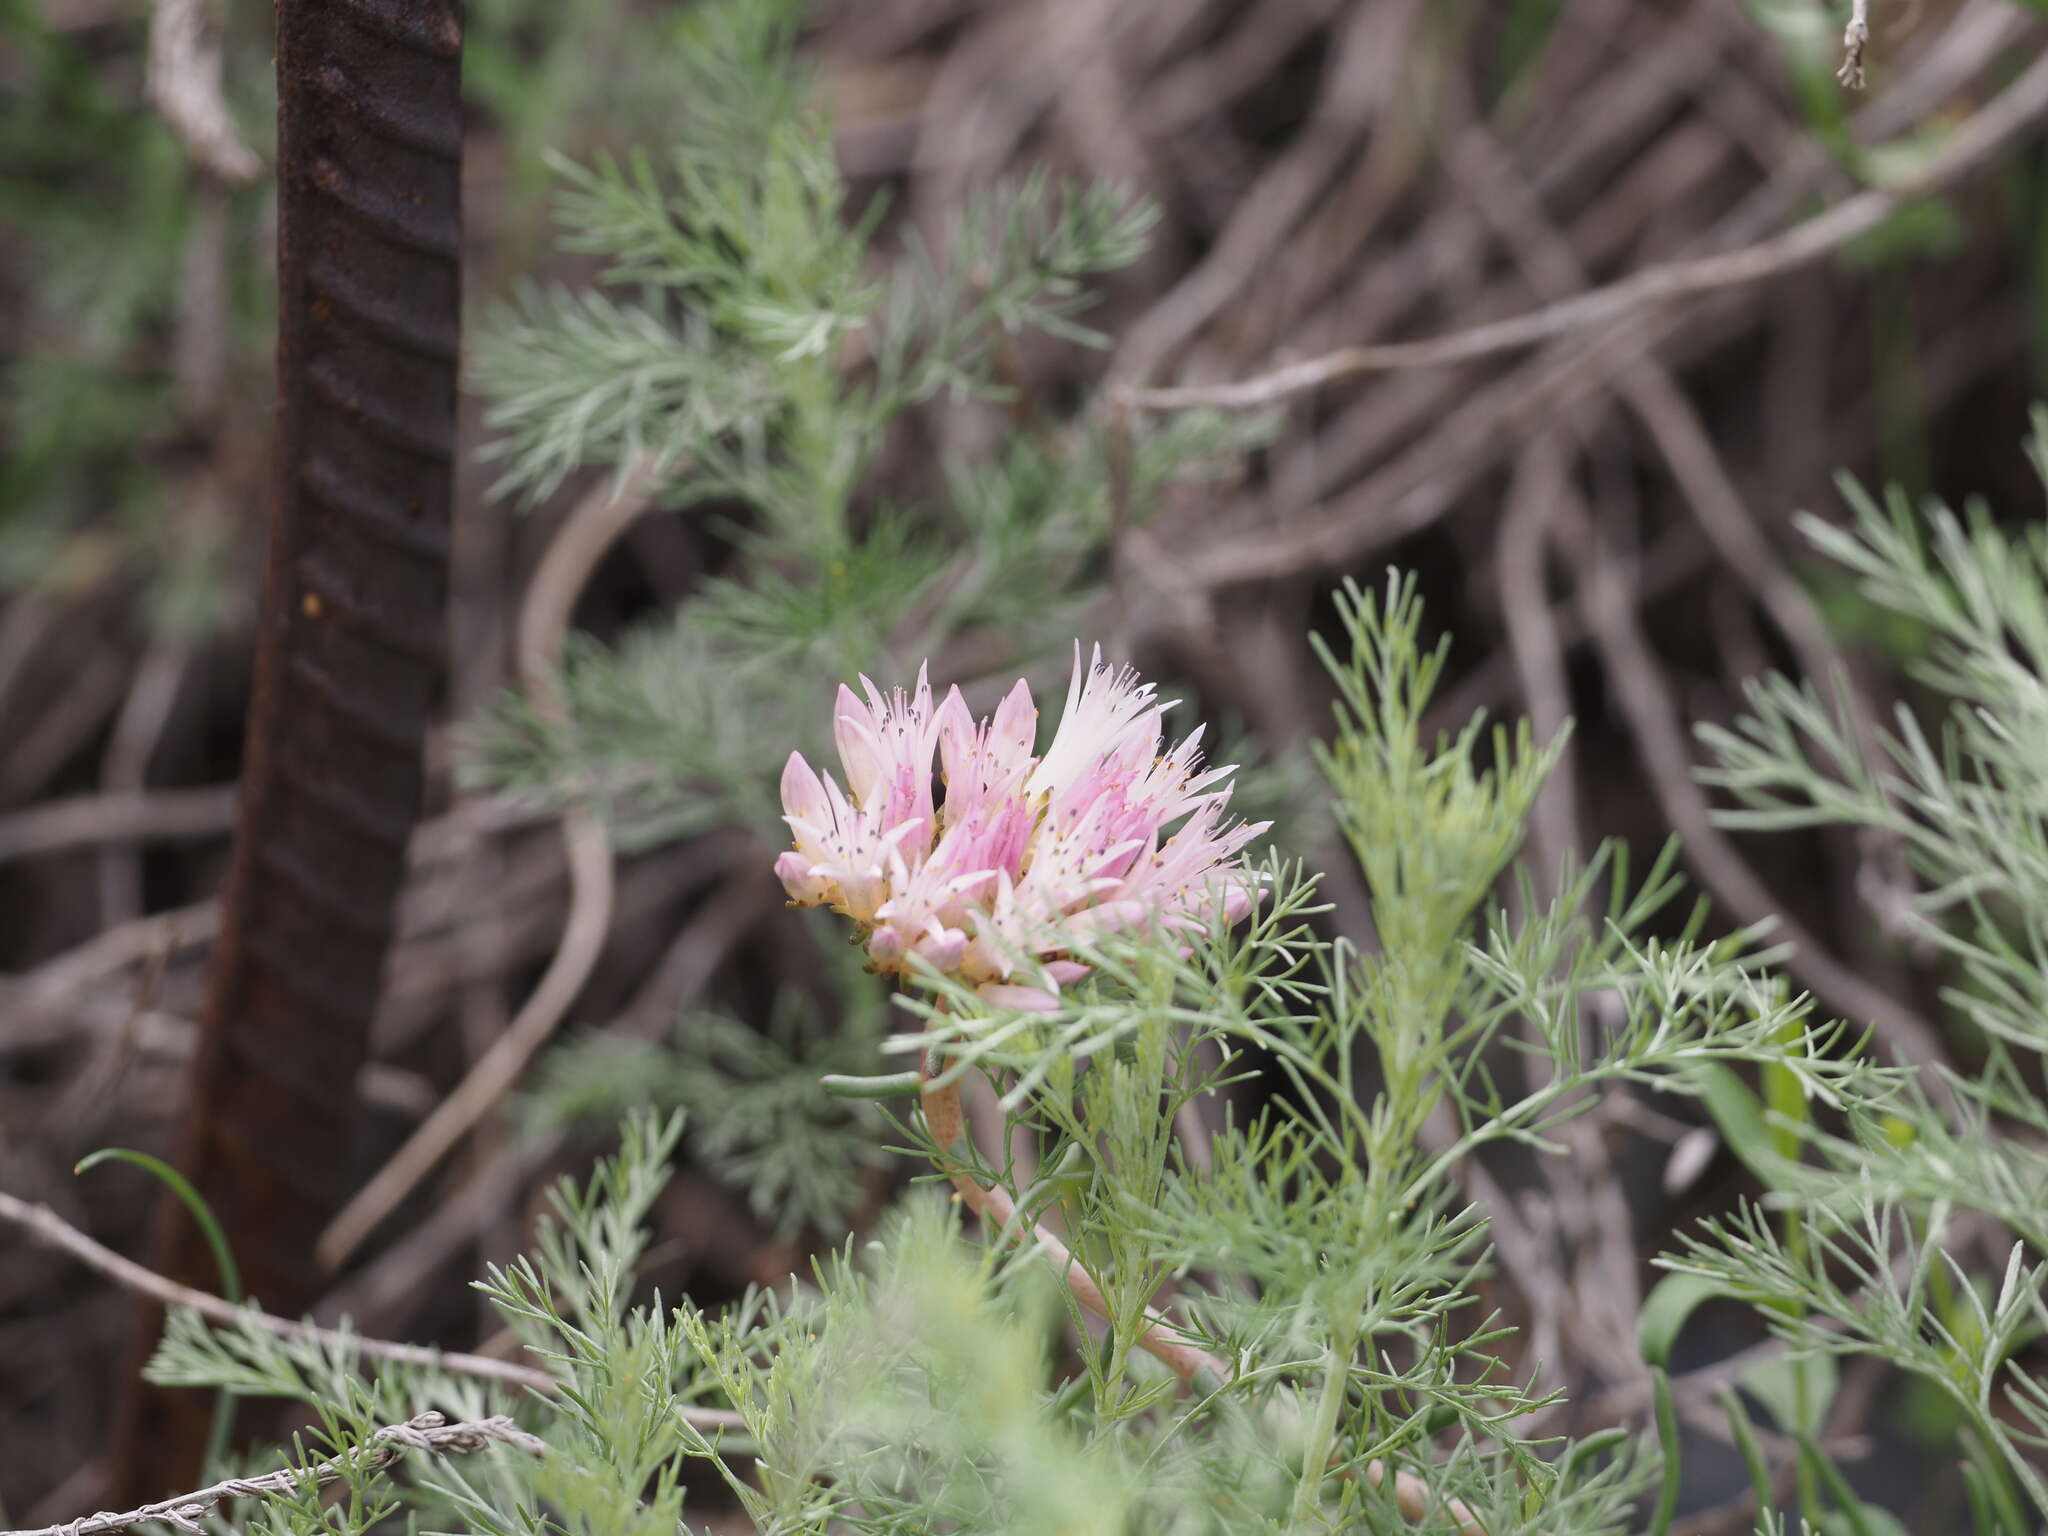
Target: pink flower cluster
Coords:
[(1022, 853)]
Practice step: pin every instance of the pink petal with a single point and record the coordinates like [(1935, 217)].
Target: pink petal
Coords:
[(1014, 730), (802, 795), (1238, 900), (1109, 917), (1030, 999), (942, 947), (805, 888), (956, 740), (862, 891), (860, 748)]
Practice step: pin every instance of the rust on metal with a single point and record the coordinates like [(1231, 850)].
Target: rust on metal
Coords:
[(350, 652)]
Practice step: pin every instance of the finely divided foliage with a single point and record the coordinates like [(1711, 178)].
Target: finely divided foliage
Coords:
[(1914, 1182), (1328, 1257), (1328, 1248), (758, 349)]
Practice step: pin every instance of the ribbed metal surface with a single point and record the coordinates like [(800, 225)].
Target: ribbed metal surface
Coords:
[(350, 652)]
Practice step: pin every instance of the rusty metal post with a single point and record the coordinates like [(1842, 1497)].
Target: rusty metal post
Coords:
[(349, 658)]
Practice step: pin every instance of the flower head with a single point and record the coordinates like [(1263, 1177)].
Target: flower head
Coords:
[(1103, 833)]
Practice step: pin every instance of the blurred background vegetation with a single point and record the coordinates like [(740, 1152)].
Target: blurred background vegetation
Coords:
[(1282, 178)]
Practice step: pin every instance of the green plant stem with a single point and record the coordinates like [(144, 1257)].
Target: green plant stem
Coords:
[(190, 1198), (222, 1425), (890, 1085), (1744, 1434), (1322, 1430), (1843, 1495), (1994, 1447), (1667, 1437)]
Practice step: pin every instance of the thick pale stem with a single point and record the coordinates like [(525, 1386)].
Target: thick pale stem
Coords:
[(1323, 1430), (1854, 41), (947, 1122)]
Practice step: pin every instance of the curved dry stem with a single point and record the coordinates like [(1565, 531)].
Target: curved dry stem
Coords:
[(592, 528)]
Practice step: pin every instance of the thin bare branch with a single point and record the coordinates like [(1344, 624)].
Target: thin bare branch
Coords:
[(53, 1231), (430, 1432), (115, 949), (136, 815), (184, 86), (1854, 40)]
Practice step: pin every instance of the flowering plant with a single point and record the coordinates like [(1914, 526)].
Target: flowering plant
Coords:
[(1021, 854)]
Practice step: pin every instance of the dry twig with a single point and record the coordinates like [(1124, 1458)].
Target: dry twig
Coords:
[(1855, 38), (400, 1274), (430, 1432), (184, 85), (114, 949), (1537, 649), (53, 1231), (137, 815)]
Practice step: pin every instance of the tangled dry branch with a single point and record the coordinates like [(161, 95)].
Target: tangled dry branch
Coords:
[(430, 1432), (1972, 144)]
